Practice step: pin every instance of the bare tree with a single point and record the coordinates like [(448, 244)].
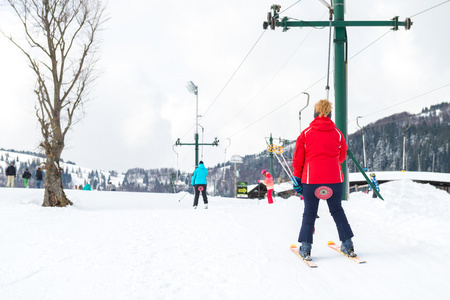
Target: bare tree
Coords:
[(60, 39)]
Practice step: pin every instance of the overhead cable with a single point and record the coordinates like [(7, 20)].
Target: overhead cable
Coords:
[(226, 84), (429, 8), (433, 90)]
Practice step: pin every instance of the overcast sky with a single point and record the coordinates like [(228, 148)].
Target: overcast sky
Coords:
[(150, 49)]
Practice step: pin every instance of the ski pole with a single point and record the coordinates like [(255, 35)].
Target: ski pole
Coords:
[(183, 197), (289, 169)]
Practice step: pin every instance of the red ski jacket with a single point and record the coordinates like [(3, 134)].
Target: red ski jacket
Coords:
[(268, 180), (319, 152)]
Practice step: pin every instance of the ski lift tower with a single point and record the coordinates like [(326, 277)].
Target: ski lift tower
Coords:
[(336, 8), (194, 90)]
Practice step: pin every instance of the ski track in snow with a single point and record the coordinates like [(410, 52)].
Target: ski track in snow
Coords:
[(114, 245)]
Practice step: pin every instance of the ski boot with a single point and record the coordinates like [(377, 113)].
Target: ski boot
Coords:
[(195, 206), (347, 248), (305, 251), (206, 206)]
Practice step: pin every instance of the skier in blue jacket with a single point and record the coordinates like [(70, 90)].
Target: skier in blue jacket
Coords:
[(199, 182)]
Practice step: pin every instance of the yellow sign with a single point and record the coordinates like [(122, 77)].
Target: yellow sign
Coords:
[(242, 190)]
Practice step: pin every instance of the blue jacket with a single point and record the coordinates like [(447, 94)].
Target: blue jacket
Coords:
[(375, 183), (199, 176)]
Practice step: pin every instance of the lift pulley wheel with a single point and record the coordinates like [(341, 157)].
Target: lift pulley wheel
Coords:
[(408, 24), (275, 149)]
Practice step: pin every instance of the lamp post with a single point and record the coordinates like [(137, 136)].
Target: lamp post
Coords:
[(194, 90), (236, 159), (225, 159), (203, 134)]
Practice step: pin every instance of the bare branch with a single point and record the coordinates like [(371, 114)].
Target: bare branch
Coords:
[(23, 12)]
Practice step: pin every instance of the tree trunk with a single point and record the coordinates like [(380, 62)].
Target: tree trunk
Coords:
[(54, 193)]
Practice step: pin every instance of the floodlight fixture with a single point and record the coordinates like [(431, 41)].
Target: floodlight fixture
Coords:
[(192, 88), (325, 3)]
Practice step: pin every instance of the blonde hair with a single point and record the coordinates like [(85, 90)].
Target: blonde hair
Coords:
[(323, 108)]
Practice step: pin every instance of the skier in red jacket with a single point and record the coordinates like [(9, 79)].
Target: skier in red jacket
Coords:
[(319, 152)]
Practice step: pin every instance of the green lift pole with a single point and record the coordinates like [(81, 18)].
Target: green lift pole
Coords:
[(196, 144), (340, 59)]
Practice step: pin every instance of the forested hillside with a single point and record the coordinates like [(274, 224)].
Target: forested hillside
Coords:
[(426, 142)]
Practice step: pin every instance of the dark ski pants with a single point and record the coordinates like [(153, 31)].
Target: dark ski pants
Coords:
[(200, 188), (334, 206)]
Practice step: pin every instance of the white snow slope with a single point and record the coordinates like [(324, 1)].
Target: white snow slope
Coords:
[(115, 245)]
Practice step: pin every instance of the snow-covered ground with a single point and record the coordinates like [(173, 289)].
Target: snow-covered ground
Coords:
[(116, 245)]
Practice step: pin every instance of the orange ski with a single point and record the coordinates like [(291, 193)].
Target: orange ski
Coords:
[(310, 263), (332, 245)]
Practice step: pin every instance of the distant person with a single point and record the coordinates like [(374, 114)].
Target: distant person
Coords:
[(26, 176), (375, 183), (38, 177), (199, 182), (80, 187), (268, 181), (319, 152), (87, 187), (11, 174), (111, 186)]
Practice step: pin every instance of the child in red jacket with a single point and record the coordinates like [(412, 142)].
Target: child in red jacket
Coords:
[(268, 181)]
